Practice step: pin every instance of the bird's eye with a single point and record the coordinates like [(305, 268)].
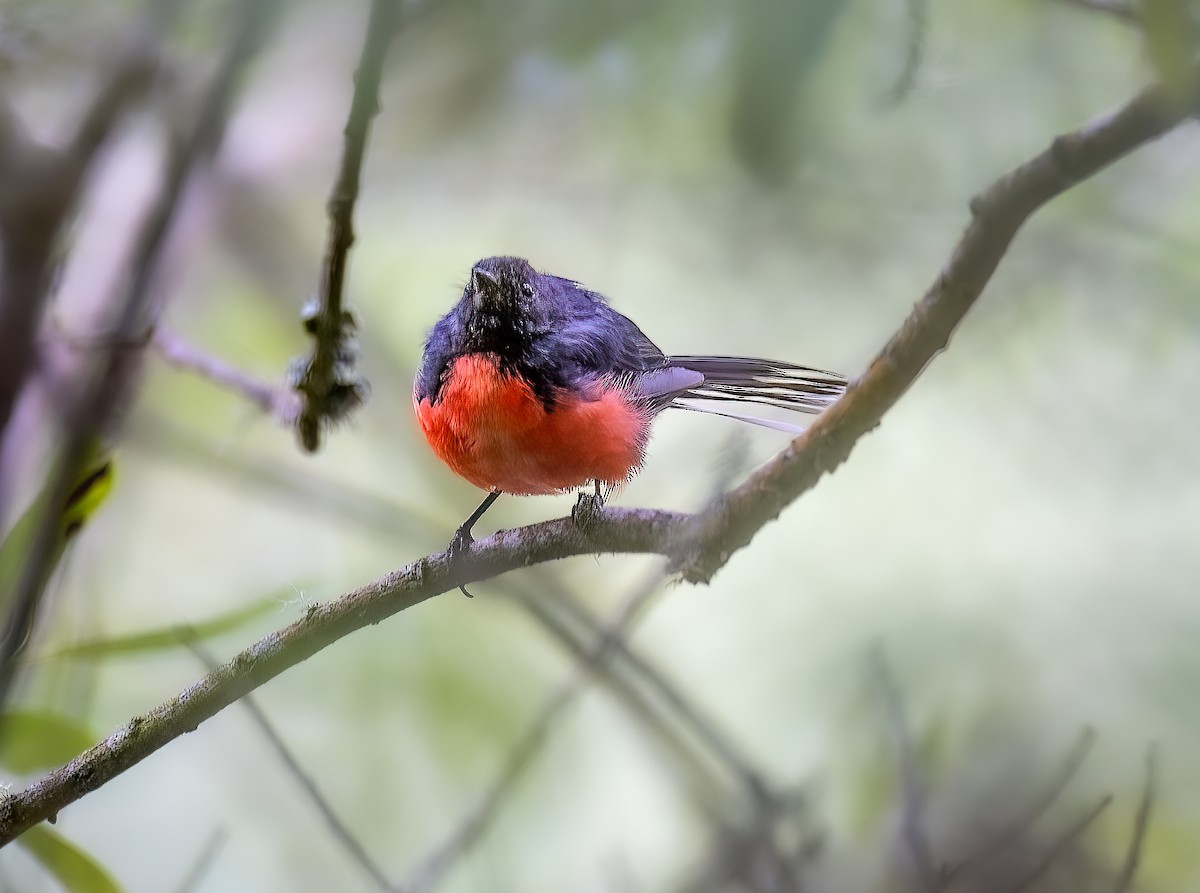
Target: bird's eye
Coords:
[(527, 289)]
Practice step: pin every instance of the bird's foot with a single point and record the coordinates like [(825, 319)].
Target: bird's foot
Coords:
[(460, 545), (588, 508)]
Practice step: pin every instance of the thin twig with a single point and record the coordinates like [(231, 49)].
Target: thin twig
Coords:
[(1052, 855), (1141, 823), (341, 831), (686, 761), (204, 861), (280, 403), (110, 385), (698, 545), (912, 818), (1121, 10), (1037, 809), (472, 827), (689, 715), (327, 387), (917, 26)]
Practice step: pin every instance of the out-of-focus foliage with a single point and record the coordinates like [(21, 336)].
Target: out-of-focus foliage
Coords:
[(89, 490), (1018, 533), (169, 638), (37, 740), (74, 869)]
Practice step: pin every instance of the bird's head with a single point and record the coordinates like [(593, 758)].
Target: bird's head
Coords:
[(505, 303)]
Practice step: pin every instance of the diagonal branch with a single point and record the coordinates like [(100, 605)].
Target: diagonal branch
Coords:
[(697, 546), (1142, 821), (997, 215), (688, 715), (1011, 833), (1052, 855), (281, 404), (912, 785), (435, 865), (1126, 11), (341, 832)]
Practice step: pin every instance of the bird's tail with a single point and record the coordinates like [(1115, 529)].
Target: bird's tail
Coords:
[(765, 382)]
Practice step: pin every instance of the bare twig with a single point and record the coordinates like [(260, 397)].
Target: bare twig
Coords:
[(1141, 823), (1009, 834), (917, 27), (1052, 855), (471, 829), (688, 714), (204, 861), (328, 384), (1122, 10), (687, 762), (697, 546), (108, 389), (279, 403), (912, 787), (341, 831)]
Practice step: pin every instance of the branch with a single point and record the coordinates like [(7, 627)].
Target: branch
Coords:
[(686, 713), (1012, 832), (38, 188), (280, 404), (695, 545), (1140, 824), (918, 27), (693, 767), (1120, 10), (204, 862), (328, 384), (341, 831), (998, 214), (472, 827), (912, 795), (111, 384), (1052, 855)]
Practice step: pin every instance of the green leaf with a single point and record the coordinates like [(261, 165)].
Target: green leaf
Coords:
[(166, 638), (35, 740), (72, 867), (89, 491)]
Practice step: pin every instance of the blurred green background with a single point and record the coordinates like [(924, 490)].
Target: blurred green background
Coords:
[(757, 177)]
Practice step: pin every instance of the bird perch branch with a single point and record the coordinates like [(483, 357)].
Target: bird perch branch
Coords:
[(696, 546)]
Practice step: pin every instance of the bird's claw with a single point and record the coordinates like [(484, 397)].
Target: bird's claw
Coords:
[(460, 545), (587, 509)]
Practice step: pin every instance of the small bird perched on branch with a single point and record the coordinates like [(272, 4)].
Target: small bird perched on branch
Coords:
[(532, 384)]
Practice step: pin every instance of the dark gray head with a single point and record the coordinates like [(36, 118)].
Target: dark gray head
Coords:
[(505, 304)]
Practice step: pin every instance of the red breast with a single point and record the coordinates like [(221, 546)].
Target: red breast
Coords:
[(492, 430)]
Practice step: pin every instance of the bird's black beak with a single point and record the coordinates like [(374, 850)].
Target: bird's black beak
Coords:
[(484, 282)]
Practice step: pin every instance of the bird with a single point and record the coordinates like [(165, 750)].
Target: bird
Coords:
[(532, 384)]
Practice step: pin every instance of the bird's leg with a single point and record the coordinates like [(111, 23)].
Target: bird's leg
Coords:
[(462, 538), (460, 543), (588, 507)]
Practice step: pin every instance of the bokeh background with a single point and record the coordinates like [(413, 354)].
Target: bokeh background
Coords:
[(763, 177)]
